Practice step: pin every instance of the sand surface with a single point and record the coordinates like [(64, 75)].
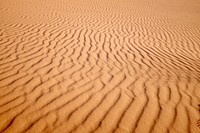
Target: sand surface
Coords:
[(100, 66)]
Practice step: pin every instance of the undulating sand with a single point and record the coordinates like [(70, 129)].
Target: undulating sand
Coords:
[(100, 66)]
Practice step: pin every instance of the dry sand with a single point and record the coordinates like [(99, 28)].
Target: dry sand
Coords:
[(100, 66)]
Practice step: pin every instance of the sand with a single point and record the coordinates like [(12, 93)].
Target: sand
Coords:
[(100, 66)]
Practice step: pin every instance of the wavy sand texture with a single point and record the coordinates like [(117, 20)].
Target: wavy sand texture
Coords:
[(99, 66)]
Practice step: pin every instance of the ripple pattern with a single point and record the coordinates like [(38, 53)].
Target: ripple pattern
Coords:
[(100, 66)]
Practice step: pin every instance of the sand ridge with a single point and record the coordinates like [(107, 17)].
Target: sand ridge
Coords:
[(100, 66)]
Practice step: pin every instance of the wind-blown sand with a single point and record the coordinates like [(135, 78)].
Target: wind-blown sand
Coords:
[(100, 66)]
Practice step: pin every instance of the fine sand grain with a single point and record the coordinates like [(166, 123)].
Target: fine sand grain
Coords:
[(100, 66)]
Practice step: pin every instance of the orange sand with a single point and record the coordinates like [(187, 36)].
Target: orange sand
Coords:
[(99, 66)]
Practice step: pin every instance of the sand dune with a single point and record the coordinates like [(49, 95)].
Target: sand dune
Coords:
[(100, 66)]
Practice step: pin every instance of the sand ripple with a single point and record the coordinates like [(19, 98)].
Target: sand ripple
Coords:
[(100, 66)]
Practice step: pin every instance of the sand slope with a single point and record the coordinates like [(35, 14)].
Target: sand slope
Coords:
[(100, 66)]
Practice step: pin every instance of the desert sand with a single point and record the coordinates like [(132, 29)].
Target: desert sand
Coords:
[(99, 66)]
